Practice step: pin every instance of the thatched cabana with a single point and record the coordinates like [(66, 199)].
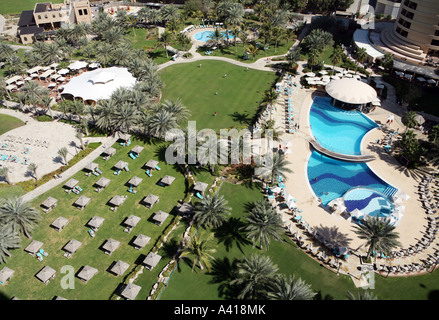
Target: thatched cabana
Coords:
[(34, 247), (82, 202), (186, 209), (137, 149), (120, 165), (151, 164), (160, 217), (151, 260), (131, 222), (141, 241), (167, 180), (92, 166), (71, 184), (96, 222), (200, 186), (135, 181), (71, 247), (87, 273), (49, 204), (119, 268), (60, 223), (117, 201), (5, 275), (101, 184), (130, 291), (46, 274), (110, 246), (150, 200)]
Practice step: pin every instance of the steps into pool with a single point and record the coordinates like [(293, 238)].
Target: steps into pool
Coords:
[(390, 191)]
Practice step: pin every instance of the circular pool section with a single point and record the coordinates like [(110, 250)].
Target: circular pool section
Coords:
[(336, 129), (205, 36), (370, 202), (331, 178)]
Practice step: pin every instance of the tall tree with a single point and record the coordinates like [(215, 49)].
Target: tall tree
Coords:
[(263, 224), (63, 154), (211, 211), (199, 250), (255, 274), (379, 234), (289, 288), (19, 216), (8, 240)]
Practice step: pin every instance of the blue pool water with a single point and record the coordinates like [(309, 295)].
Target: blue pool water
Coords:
[(338, 130), (204, 36), (336, 177), (368, 201)]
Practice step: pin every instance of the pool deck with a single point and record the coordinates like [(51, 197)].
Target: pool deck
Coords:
[(413, 222)]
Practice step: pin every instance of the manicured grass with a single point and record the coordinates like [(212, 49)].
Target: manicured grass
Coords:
[(185, 284), (239, 95), (24, 284), (16, 7), (8, 123)]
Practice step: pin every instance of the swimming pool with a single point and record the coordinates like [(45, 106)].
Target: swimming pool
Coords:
[(331, 178), (205, 36), (336, 129), (369, 202)]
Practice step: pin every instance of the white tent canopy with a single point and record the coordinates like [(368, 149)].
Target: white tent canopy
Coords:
[(99, 83), (77, 65), (63, 71), (351, 91)]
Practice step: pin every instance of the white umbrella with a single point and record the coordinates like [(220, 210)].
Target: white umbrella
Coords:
[(323, 72), (420, 79), (356, 213), (63, 71), (310, 74), (335, 77), (431, 81), (348, 75)]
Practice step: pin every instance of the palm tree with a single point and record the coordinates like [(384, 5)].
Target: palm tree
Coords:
[(199, 250), (336, 56), (278, 34), (387, 61), (293, 56), (105, 109), (409, 119), (3, 89), (4, 172), (169, 12), (162, 122), (211, 211), (8, 240), (275, 166), (263, 223), (103, 53), (34, 92), (271, 97), (183, 40), (318, 40), (361, 55), (252, 50), (176, 108), (14, 64), (288, 288), (79, 135), (32, 167), (366, 295), (379, 234), (313, 58), (164, 40), (255, 275), (19, 216), (216, 36), (125, 116), (63, 153), (6, 50)]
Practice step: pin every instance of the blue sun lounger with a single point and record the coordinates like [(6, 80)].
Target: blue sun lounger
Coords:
[(148, 173), (157, 167), (132, 156), (199, 195)]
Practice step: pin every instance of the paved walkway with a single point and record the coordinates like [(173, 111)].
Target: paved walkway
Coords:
[(106, 142)]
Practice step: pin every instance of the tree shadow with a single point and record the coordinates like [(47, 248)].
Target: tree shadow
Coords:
[(242, 118), (231, 233), (223, 272), (334, 236), (170, 248)]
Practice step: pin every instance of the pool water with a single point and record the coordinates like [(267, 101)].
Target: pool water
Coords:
[(369, 202), (205, 36), (331, 178), (336, 129)]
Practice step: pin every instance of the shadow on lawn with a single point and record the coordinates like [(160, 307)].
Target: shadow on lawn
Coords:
[(231, 233), (223, 272), (242, 118)]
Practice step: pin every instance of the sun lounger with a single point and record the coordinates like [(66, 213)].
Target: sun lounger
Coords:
[(132, 156), (158, 168), (148, 173), (126, 168), (117, 172), (39, 256), (91, 233), (199, 195)]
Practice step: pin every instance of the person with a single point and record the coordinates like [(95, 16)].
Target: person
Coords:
[(225, 75), (200, 65), (216, 93), (215, 114)]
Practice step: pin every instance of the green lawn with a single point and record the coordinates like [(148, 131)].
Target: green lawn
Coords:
[(238, 52), (8, 123), (239, 95), (16, 7), (185, 284), (24, 284)]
